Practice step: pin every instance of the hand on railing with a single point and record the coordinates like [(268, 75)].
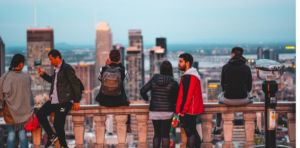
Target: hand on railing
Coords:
[(76, 106)]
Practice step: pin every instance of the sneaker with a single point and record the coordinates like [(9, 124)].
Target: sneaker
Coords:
[(128, 129), (51, 140)]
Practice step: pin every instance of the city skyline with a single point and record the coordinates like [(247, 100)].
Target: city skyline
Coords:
[(182, 22)]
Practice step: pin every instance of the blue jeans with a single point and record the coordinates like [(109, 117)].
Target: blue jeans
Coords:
[(12, 136)]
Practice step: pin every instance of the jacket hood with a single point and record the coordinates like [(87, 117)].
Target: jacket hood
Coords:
[(162, 80), (237, 60), (192, 71)]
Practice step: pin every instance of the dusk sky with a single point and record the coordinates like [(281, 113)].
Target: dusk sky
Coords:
[(181, 22)]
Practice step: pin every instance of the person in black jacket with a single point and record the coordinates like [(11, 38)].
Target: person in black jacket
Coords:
[(164, 93), (236, 80), (64, 93)]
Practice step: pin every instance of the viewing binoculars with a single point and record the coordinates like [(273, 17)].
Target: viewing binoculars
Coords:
[(269, 65)]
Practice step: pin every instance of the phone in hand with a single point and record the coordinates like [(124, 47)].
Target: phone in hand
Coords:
[(37, 63)]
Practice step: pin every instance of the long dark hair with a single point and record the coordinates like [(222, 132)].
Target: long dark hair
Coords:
[(166, 68), (16, 60)]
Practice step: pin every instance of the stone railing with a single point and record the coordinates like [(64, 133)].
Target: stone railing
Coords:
[(141, 111)]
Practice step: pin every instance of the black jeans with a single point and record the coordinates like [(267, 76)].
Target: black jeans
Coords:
[(161, 131), (60, 112), (188, 122)]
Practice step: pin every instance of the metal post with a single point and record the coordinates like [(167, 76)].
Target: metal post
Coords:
[(270, 88)]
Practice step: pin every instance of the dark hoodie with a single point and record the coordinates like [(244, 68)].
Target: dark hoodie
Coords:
[(236, 79), (164, 92)]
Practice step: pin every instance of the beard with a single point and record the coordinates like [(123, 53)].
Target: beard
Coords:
[(182, 68)]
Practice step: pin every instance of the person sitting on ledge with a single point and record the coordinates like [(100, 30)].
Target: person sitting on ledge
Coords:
[(236, 80)]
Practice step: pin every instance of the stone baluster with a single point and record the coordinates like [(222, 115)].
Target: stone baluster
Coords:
[(142, 130), (121, 130), (206, 130), (292, 129), (258, 120), (183, 138), (100, 130), (36, 137), (228, 129), (78, 130), (249, 128)]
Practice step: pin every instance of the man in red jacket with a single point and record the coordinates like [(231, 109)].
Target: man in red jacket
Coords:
[(189, 102)]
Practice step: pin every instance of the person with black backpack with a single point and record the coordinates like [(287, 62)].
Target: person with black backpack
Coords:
[(65, 92), (112, 76)]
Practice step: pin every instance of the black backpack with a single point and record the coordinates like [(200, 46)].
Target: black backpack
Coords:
[(81, 85)]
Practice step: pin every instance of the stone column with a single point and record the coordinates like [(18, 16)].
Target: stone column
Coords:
[(206, 130), (56, 144), (99, 130), (292, 129), (78, 130), (228, 129), (121, 130), (142, 130), (183, 138), (258, 120), (249, 128), (36, 137)]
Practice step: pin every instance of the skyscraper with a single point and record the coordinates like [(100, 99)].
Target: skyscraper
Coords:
[(2, 57), (271, 54), (259, 53), (276, 56), (134, 68), (157, 56), (121, 48), (103, 45), (86, 73), (39, 42), (162, 42), (136, 40), (266, 53)]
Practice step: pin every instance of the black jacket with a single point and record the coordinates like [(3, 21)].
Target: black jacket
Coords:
[(236, 79), (68, 86), (164, 93), (113, 101)]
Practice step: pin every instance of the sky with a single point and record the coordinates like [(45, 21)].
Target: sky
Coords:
[(181, 22)]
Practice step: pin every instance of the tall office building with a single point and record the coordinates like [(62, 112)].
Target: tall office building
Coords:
[(162, 42), (136, 40), (134, 68), (121, 48), (86, 73), (259, 53), (2, 57), (103, 45), (39, 43), (213, 89), (266, 53), (271, 54), (157, 56), (276, 56)]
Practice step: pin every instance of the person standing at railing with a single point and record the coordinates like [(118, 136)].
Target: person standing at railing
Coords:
[(190, 101), (65, 89), (164, 93), (112, 76), (17, 101)]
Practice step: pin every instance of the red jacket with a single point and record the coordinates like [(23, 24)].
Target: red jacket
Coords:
[(190, 99)]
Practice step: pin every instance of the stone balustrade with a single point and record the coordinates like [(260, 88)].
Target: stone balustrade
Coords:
[(141, 111)]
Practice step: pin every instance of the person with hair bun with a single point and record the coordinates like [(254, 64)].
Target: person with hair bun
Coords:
[(17, 101)]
